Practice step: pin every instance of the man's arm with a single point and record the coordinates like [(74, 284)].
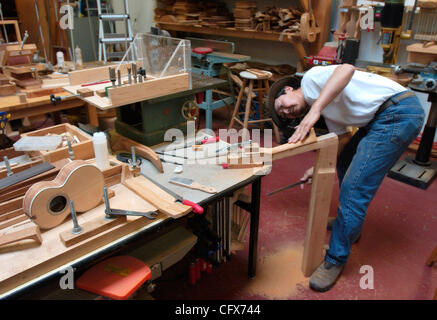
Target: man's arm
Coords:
[(336, 83)]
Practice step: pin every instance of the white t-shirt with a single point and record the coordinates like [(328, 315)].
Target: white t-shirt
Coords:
[(357, 104)]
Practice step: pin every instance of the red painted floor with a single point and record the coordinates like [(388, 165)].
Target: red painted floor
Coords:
[(399, 234)]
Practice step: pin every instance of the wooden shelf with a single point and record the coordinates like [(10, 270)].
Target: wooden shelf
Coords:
[(292, 38), (232, 32)]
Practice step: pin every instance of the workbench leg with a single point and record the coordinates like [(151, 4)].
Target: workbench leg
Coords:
[(320, 202), (254, 225), (208, 110), (93, 118)]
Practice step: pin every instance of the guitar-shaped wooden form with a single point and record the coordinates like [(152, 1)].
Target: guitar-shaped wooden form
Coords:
[(47, 202), (308, 26)]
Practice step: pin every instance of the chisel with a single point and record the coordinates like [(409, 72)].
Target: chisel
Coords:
[(196, 208), (206, 140)]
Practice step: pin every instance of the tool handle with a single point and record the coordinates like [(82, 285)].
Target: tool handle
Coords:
[(196, 208), (210, 140), (198, 186)]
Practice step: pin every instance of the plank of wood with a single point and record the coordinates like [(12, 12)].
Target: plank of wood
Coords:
[(147, 90), (90, 229), (289, 150), (11, 214), (30, 232), (141, 186), (14, 220), (90, 75), (317, 220), (11, 205), (24, 175)]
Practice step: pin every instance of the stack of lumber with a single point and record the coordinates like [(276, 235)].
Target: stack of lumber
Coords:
[(209, 13), (278, 19), (244, 13)]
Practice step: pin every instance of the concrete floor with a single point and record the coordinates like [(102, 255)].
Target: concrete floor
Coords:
[(398, 236)]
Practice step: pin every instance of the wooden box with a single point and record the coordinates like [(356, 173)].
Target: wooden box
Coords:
[(422, 53), (83, 150)]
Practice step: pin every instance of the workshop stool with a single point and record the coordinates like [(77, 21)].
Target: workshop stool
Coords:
[(262, 78), (116, 278)]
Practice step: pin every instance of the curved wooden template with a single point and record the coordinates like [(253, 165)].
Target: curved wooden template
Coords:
[(121, 143), (68, 183)]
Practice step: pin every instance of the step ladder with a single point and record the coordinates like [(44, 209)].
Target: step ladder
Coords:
[(109, 39)]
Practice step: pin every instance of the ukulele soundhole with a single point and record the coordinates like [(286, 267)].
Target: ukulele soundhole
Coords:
[(57, 205)]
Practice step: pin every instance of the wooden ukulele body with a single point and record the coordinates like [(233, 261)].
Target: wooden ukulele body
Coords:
[(47, 203)]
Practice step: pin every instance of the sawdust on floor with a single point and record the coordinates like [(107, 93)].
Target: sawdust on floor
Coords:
[(279, 274)]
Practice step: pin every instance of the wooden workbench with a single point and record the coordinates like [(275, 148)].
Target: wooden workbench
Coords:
[(42, 105)]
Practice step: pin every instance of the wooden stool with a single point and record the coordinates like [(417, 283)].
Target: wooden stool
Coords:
[(115, 278), (262, 78), (432, 258)]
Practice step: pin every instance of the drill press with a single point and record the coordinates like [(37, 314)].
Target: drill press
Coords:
[(391, 29), (419, 171)]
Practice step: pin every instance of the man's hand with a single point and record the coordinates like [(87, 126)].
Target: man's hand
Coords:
[(308, 175), (305, 126)]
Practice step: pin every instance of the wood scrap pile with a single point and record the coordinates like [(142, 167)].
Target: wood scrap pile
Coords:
[(278, 19)]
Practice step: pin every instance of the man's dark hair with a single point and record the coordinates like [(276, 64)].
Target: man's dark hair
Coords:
[(277, 89)]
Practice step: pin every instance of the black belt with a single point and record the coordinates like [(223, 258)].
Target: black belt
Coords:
[(389, 102)]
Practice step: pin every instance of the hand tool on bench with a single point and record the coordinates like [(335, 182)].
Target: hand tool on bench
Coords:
[(205, 140), (196, 208), (190, 183), (288, 187), (110, 212)]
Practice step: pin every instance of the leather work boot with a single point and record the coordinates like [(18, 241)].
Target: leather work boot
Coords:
[(331, 224), (325, 276)]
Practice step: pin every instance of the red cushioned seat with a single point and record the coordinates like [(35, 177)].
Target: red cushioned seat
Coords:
[(202, 50)]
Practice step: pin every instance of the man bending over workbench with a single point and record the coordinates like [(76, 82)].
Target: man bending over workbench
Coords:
[(389, 118)]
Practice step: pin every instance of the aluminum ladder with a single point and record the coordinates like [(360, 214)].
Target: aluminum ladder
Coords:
[(106, 39)]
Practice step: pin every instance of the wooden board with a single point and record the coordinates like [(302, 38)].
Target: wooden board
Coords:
[(159, 198), (127, 94), (22, 265), (90, 75), (89, 229)]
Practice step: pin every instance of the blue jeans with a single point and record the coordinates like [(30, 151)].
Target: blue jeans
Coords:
[(362, 165)]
